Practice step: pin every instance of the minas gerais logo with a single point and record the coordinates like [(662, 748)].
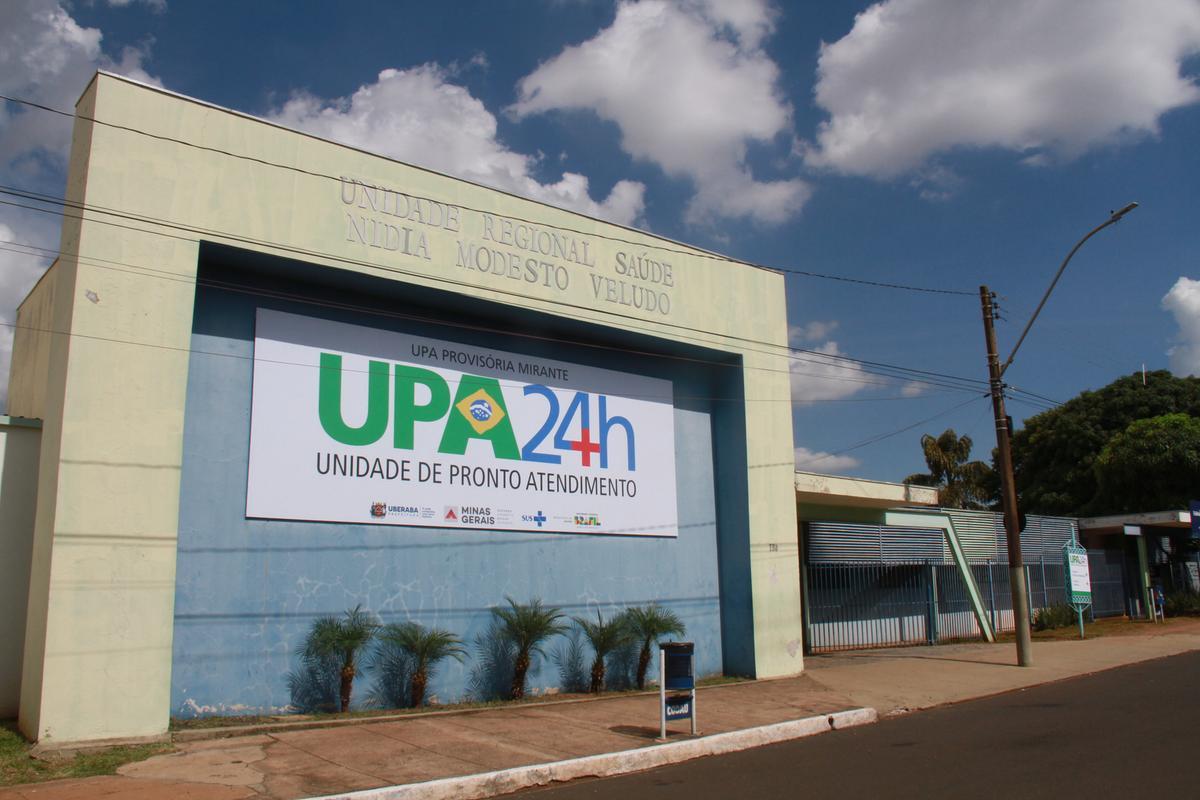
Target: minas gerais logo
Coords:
[(477, 411)]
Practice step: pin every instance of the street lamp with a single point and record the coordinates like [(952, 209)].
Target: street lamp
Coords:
[(1008, 491)]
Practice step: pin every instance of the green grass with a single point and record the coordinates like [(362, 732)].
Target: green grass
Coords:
[(17, 766), (1110, 626)]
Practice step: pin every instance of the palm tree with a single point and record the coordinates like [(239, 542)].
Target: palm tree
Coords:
[(425, 646), (527, 625), (340, 639), (604, 638), (650, 623), (960, 483)]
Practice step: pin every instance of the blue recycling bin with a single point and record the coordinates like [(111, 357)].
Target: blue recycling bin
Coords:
[(678, 671), (677, 674)]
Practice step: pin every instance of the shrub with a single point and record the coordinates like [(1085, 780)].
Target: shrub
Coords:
[(1179, 604), (334, 643), (411, 650), (526, 626), (649, 624), (605, 637), (1059, 616)]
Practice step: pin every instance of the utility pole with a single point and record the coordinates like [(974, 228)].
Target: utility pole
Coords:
[(1008, 489)]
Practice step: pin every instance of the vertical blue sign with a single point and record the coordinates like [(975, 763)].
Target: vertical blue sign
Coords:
[(1195, 507)]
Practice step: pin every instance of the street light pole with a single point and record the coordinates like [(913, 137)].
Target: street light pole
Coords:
[(1008, 490)]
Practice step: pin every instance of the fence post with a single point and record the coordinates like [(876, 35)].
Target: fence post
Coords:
[(1045, 587), (805, 596), (1028, 580), (992, 595), (931, 632)]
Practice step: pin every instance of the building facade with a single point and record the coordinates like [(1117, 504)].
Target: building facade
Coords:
[(279, 378)]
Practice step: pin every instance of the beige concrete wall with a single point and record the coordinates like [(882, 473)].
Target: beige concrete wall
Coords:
[(27, 375), (19, 443), (98, 639), (100, 619)]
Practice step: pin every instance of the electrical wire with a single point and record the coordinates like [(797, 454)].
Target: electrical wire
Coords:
[(224, 286), (882, 437), (695, 253), (813, 356)]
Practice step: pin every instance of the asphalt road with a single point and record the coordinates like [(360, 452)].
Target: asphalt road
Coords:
[(1132, 732)]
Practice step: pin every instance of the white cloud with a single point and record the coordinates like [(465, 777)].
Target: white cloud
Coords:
[(689, 87), (1184, 302), (813, 331), (913, 389), (417, 115), (1049, 80), (750, 21), (157, 6), (816, 379), (48, 58), (819, 461)]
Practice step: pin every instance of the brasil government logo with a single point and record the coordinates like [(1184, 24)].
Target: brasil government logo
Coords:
[(481, 411)]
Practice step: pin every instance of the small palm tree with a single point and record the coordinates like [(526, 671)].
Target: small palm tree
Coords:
[(425, 646), (341, 639), (604, 637), (527, 625), (648, 624)]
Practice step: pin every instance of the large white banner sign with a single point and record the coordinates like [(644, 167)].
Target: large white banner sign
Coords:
[(354, 424)]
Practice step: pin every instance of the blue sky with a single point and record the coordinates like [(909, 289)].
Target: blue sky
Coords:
[(935, 143)]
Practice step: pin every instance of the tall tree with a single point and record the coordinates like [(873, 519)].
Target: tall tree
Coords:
[(961, 483), (1153, 465), (1055, 453)]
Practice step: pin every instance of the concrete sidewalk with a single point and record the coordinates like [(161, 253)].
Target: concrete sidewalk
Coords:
[(500, 747)]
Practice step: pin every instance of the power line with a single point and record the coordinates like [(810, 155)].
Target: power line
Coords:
[(890, 434), (1040, 407), (238, 357), (1043, 398), (909, 373), (694, 253), (299, 298)]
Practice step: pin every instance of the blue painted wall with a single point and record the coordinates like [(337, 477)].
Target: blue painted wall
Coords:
[(248, 590)]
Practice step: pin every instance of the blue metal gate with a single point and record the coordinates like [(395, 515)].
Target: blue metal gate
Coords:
[(1107, 570), (876, 585)]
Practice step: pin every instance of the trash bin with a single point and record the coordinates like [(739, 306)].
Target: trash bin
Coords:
[(677, 674)]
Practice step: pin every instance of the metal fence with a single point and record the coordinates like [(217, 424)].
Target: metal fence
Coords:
[(852, 605), (1109, 577)]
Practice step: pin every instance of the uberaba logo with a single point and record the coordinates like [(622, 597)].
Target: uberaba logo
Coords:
[(404, 511), (477, 515), (378, 509)]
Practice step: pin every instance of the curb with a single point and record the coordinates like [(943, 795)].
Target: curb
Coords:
[(490, 784)]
